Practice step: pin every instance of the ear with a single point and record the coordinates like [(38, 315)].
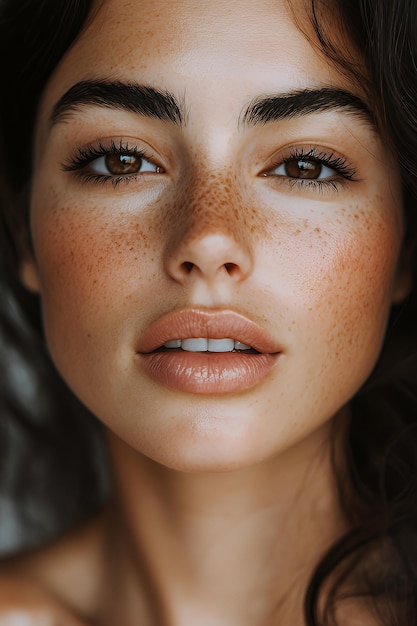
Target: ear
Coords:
[(403, 283), (20, 234), (29, 273)]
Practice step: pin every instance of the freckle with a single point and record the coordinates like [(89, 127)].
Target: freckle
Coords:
[(317, 230)]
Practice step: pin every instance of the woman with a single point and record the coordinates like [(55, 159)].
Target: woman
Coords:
[(213, 203)]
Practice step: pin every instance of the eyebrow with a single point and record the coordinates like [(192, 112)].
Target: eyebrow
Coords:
[(163, 105), (302, 102), (132, 97)]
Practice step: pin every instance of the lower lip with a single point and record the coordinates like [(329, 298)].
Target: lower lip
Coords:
[(208, 373)]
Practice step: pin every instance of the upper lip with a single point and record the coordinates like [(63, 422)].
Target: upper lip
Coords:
[(211, 324)]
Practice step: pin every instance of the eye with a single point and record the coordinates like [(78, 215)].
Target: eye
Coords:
[(312, 168), (120, 164), (307, 169), (112, 161)]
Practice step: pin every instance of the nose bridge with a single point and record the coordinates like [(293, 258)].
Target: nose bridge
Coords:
[(210, 235), (213, 206)]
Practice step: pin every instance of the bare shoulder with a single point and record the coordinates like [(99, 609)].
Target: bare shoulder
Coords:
[(64, 575)]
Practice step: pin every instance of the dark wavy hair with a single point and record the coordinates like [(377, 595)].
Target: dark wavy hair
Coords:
[(52, 472), (51, 457)]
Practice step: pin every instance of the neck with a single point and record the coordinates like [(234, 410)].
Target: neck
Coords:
[(231, 548)]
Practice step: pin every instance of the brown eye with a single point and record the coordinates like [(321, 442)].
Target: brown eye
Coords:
[(298, 168), (302, 169), (119, 164), (123, 163)]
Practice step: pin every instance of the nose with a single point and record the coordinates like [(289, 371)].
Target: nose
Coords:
[(210, 237), (210, 256)]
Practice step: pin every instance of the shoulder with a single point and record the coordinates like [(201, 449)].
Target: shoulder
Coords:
[(60, 578), (27, 603)]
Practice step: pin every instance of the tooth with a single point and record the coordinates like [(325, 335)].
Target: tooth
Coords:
[(201, 344), (194, 345), (241, 346), (220, 345), (175, 343)]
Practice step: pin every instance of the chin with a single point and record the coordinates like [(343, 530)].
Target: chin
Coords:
[(214, 444)]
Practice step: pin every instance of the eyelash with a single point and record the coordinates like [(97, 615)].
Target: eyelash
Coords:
[(83, 157), (344, 170)]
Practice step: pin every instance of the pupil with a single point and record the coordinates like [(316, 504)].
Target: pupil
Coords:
[(297, 168), (123, 163)]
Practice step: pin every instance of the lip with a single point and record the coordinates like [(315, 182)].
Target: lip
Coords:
[(213, 324), (207, 373)]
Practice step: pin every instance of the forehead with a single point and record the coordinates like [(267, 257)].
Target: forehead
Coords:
[(214, 48), (194, 23)]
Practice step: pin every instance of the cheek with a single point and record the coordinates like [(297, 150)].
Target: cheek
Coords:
[(341, 277), (359, 272), (93, 265)]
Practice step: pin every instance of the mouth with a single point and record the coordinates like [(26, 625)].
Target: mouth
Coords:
[(203, 344), (207, 352), (195, 330)]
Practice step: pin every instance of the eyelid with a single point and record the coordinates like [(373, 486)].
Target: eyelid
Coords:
[(327, 156), (83, 155)]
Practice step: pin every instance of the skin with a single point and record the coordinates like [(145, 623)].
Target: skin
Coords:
[(205, 485)]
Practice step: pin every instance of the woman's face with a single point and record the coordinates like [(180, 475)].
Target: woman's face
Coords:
[(220, 179)]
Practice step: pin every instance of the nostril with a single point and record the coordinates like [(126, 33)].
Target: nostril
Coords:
[(210, 257), (231, 268), (188, 266)]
